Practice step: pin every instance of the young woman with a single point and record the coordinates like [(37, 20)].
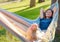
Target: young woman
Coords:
[(45, 19)]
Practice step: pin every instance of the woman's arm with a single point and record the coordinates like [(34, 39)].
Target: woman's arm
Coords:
[(54, 9), (41, 13)]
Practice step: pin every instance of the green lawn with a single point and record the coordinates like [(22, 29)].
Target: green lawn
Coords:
[(23, 9)]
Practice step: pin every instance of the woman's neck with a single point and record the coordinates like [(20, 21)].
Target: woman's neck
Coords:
[(47, 17)]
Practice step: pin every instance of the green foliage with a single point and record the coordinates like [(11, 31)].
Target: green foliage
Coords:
[(2, 32)]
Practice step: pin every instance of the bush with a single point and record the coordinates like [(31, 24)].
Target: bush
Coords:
[(2, 32)]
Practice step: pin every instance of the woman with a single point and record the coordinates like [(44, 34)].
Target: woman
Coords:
[(45, 19)]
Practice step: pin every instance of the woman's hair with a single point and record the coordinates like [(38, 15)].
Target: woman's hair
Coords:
[(46, 11)]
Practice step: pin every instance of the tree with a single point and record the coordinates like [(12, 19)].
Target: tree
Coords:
[(58, 27), (32, 3), (39, 1), (53, 1)]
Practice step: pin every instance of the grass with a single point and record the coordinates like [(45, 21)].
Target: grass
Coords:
[(23, 9), (16, 6), (3, 38)]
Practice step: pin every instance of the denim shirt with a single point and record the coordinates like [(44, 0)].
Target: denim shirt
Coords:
[(44, 23)]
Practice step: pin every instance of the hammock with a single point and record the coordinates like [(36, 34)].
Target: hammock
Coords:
[(15, 23), (50, 33)]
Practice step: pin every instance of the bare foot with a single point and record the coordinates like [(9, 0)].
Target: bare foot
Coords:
[(33, 27), (31, 32)]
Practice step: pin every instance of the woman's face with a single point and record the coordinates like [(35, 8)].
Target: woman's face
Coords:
[(48, 14)]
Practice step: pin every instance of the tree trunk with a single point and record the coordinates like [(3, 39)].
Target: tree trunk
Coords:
[(40, 1), (58, 27), (53, 1), (32, 3), (57, 39)]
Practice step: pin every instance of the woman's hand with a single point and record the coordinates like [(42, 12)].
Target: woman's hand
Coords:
[(41, 13)]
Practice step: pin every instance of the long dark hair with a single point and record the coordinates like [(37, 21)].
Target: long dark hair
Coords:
[(46, 11)]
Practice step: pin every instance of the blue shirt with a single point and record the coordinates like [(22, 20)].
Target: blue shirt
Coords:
[(44, 23)]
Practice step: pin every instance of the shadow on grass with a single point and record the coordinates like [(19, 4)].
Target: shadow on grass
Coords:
[(32, 13), (17, 7), (25, 9)]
